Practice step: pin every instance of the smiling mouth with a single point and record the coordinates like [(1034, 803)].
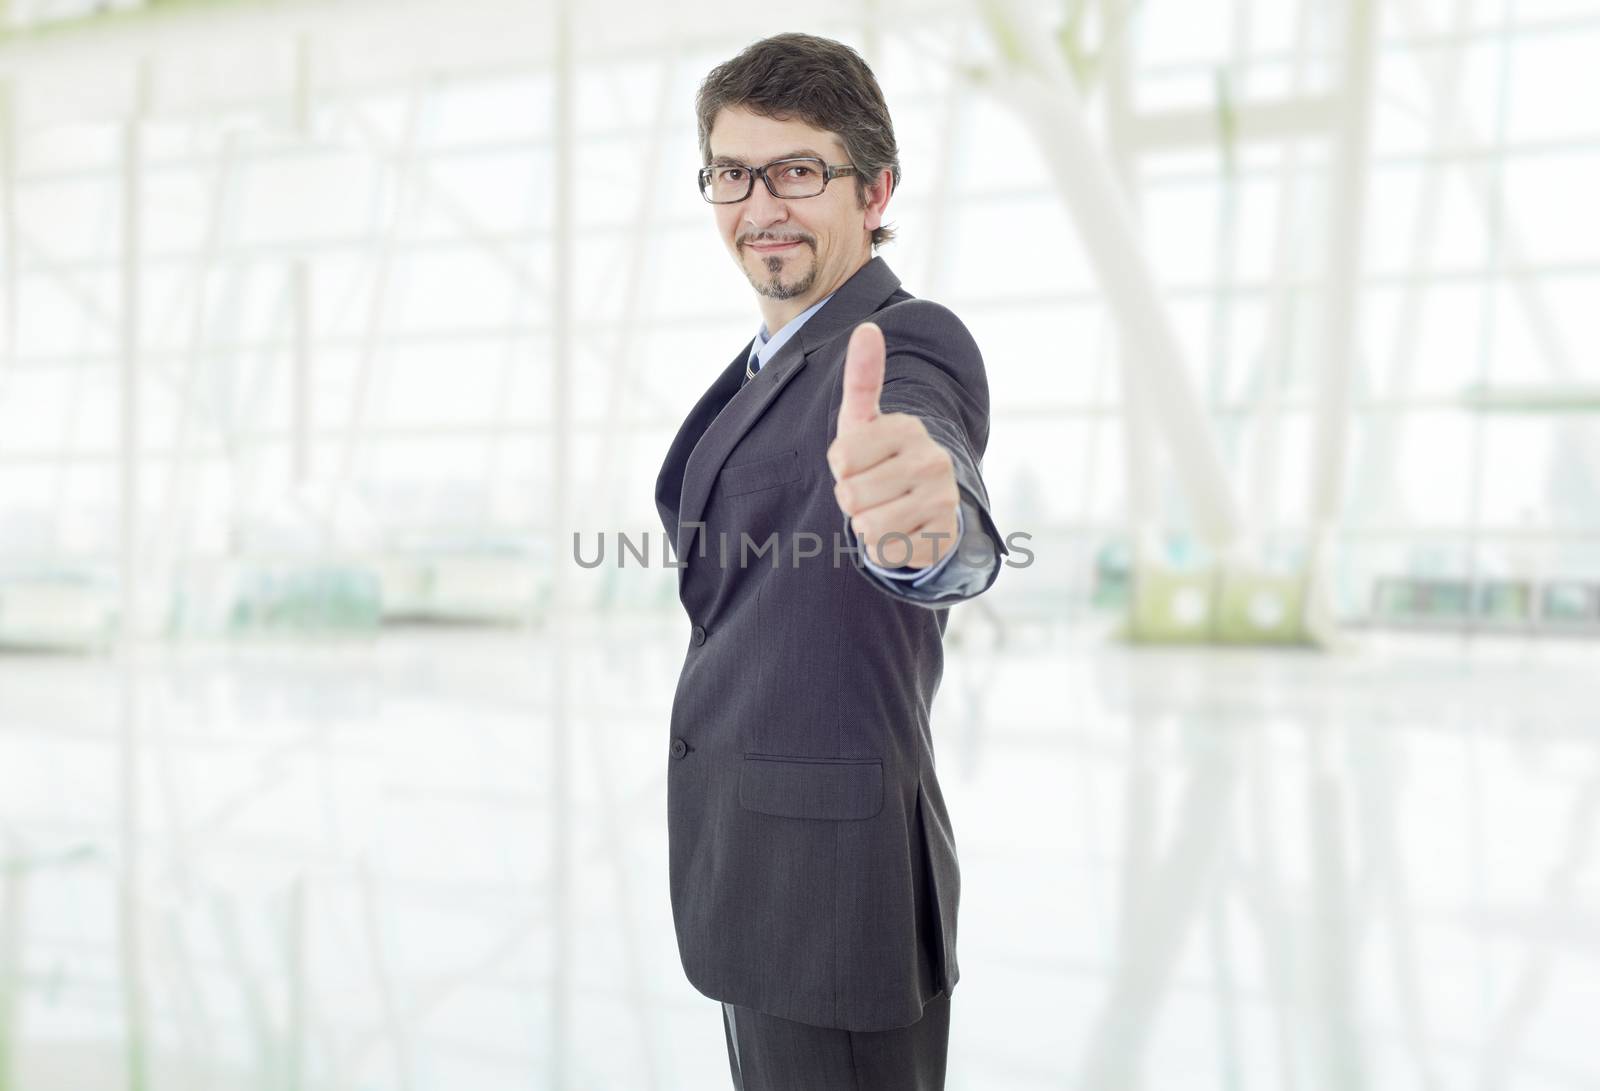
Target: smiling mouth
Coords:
[(772, 247)]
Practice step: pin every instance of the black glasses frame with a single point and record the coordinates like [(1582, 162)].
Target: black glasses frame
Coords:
[(829, 172)]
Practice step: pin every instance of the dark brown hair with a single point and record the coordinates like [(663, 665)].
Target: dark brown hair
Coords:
[(819, 81)]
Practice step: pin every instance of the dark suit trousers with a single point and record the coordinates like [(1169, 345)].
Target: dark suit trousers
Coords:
[(766, 1053)]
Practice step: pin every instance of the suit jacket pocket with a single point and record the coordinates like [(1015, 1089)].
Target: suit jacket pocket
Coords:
[(763, 473), (798, 787)]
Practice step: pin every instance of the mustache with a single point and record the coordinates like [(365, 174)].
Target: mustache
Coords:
[(767, 236)]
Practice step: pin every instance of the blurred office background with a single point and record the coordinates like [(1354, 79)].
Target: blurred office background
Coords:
[(324, 325)]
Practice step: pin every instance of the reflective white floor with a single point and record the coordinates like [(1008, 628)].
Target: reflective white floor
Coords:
[(437, 861)]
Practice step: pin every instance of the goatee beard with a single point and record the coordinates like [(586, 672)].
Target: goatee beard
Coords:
[(774, 288)]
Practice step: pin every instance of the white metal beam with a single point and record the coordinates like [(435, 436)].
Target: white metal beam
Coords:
[(1045, 96), (1138, 429), (130, 916), (560, 462), (1248, 122), (8, 233), (1344, 253)]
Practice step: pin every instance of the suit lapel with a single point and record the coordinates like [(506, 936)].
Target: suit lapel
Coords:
[(854, 300), (736, 418), (669, 482)]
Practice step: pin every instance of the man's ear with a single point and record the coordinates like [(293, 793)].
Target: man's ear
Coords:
[(876, 199)]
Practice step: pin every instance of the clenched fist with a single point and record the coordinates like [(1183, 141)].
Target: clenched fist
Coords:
[(890, 477)]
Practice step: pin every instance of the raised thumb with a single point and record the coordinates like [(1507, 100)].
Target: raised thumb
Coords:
[(863, 377)]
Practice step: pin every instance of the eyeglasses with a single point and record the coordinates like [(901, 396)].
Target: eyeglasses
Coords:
[(730, 183)]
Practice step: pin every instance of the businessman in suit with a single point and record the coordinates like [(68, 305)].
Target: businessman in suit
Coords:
[(826, 504)]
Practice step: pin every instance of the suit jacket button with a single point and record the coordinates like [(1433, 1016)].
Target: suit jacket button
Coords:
[(679, 748), (698, 635)]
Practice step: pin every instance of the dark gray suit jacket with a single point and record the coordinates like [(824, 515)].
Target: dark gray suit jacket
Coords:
[(813, 867)]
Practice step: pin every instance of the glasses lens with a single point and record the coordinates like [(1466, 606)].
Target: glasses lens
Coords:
[(725, 183), (796, 177)]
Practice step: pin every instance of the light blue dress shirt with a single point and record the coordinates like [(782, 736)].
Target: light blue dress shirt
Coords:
[(942, 576)]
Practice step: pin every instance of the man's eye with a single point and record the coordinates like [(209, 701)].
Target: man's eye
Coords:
[(799, 172), (731, 174)]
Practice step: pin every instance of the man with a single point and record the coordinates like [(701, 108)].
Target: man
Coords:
[(813, 869)]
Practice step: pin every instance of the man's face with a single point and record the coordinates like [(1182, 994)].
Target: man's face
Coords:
[(798, 249)]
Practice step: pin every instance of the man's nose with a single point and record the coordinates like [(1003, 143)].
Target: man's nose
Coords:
[(762, 209)]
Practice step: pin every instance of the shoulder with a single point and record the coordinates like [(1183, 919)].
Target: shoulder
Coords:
[(923, 319), (933, 332)]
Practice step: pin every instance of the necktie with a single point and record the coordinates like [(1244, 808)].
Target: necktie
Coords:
[(749, 372)]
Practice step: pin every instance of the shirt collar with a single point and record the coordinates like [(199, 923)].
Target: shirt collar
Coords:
[(766, 345)]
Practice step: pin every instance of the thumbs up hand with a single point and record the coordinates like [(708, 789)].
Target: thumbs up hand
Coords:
[(890, 477)]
